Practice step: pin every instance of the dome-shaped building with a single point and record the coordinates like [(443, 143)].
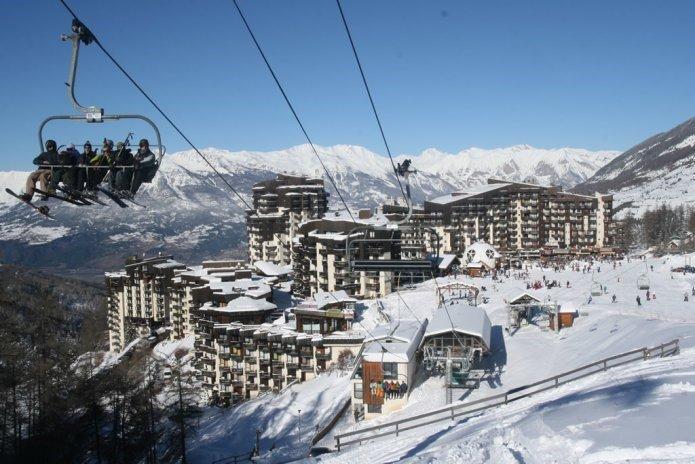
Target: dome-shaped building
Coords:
[(481, 253)]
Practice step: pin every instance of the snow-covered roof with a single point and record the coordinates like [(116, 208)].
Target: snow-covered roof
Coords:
[(115, 274), (456, 196), (396, 341), (463, 318), (254, 288), (168, 264), (272, 269), (243, 304), (324, 299), (444, 261), (481, 248), (519, 296)]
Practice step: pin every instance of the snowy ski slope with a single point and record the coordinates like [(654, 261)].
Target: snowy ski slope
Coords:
[(633, 413)]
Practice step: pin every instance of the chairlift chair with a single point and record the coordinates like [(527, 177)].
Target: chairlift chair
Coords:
[(643, 282), (93, 114), (355, 247)]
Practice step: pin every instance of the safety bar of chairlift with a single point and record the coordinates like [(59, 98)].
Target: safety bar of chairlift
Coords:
[(392, 264), (111, 117)]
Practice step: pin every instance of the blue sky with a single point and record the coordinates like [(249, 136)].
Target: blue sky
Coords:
[(592, 74)]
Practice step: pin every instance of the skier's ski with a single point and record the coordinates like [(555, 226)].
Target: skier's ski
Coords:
[(60, 197), (43, 210), (133, 202), (112, 196), (86, 198)]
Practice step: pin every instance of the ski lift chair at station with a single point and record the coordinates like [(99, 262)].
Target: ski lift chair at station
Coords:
[(93, 114), (366, 242), (643, 280), (596, 289)]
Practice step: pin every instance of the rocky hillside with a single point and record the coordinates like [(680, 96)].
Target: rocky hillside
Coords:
[(659, 170), (190, 213)]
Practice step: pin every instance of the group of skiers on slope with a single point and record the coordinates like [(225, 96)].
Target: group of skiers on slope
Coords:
[(85, 171)]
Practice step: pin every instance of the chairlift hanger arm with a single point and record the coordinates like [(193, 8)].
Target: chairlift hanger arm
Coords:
[(112, 117)]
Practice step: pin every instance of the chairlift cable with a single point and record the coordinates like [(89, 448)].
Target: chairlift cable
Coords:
[(291, 107), (371, 100), (158, 108)]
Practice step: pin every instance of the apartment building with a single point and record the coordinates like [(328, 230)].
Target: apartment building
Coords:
[(240, 361), (279, 206), (138, 298), (320, 255), (159, 292), (514, 216)]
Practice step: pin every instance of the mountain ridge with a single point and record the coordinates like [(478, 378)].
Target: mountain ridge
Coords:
[(660, 169), (191, 213)]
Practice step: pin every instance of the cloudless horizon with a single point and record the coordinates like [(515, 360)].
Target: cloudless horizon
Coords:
[(446, 75)]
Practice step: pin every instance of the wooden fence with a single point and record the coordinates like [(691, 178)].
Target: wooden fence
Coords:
[(463, 409)]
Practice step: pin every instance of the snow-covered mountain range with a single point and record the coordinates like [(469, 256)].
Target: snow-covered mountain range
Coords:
[(659, 170), (191, 213)]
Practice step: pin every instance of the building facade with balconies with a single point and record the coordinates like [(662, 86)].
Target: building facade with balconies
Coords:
[(237, 361), (515, 217), (321, 256), (279, 206)]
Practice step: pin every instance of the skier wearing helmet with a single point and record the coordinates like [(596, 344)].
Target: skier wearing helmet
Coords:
[(43, 173)]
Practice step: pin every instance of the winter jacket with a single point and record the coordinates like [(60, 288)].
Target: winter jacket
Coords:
[(146, 159), (85, 158), (66, 157), (124, 157), (101, 159), (47, 157)]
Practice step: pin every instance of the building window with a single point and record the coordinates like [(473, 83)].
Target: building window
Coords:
[(374, 408), (358, 391), (390, 371)]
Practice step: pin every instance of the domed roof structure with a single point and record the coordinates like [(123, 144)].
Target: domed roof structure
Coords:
[(481, 252)]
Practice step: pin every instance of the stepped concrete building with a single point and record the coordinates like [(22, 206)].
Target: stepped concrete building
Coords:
[(227, 308), (517, 217), (138, 298), (161, 293), (279, 206), (320, 257), (239, 361)]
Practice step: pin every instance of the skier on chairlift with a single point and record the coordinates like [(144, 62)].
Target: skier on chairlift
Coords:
[(145, 166), (42, 174), (105, 158), (120, 178), (66, 159)]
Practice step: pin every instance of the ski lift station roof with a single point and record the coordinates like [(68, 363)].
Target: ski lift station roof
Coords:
[(396, 341), (462, 319)]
